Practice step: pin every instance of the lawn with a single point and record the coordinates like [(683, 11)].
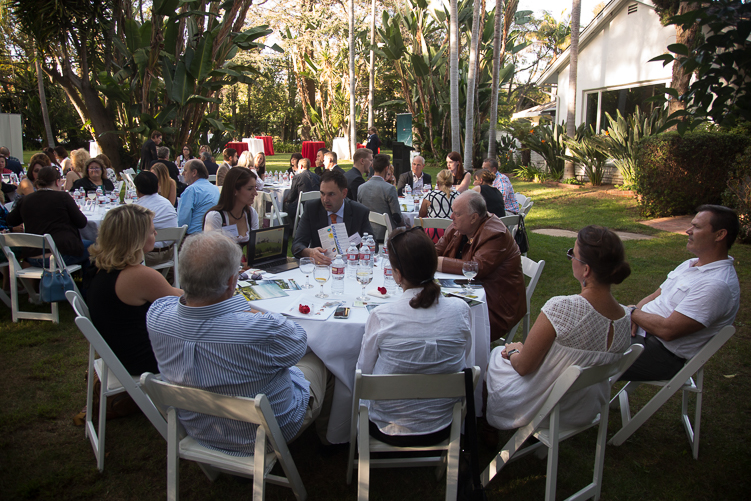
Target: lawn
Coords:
[(43, 455)]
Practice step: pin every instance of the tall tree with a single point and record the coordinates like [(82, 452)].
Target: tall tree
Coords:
[(469, 117), (454, 75), (43, 102), (573, 74), (352, 124), (501, 31), (371, 78)]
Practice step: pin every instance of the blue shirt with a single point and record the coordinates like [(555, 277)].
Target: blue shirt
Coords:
[(195, 201), (223, 348)]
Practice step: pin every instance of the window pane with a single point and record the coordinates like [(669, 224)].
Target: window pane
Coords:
[(591, 115), (626, 101)]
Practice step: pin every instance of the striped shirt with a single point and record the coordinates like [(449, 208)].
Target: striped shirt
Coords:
[(225, 349), (503, 183)]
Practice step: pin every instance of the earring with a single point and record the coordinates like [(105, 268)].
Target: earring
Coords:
[(584, 282)]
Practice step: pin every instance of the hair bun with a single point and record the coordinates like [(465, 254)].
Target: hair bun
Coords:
[(620, 272)]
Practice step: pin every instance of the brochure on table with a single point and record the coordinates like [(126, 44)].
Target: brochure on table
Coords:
[(255, 290)]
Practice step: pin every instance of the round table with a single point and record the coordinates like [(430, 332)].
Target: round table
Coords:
[(309, 150), (239, 146), (268, 145)]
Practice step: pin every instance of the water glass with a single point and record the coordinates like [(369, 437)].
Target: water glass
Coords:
[(321, 275), (307, 266)]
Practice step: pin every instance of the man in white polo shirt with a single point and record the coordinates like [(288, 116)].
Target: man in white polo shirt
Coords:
[(697, 300), (165, 216)]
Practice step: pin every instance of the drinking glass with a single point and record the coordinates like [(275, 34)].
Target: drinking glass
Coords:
[(307, 266), (321, 275), (469, 268), (364, 276)]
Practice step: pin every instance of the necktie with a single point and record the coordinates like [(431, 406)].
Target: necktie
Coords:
[(333, 218)]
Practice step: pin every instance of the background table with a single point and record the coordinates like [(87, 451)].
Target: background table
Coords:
[(268, 145), (309, 150), (93, 221), (240, 147), (340, 146), (337, 342)]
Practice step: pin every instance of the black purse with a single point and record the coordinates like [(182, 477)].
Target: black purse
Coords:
[(521, 236), (54, 283)]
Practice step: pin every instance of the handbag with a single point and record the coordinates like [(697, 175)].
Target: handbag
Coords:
[(470, 486), (521, 236), (54, 282)]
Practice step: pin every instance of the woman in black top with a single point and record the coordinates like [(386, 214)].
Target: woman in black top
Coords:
[(123, 289), (493, 196), (94, 177)]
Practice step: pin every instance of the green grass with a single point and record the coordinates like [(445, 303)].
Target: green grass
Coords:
[(43, 456)]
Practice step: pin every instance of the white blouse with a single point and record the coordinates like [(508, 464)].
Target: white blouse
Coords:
[(214, 222)]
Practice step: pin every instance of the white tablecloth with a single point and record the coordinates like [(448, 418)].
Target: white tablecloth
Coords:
[(337, 342), (341, 148), (94, 220), (254, 145)]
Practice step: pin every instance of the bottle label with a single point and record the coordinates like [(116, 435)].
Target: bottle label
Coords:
[(337, 271), (388, 272), (352, 257)]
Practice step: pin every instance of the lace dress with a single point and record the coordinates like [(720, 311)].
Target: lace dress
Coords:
[(440, 206), (581, 339)]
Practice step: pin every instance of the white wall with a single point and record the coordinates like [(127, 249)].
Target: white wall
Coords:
[(11, 134), (617, 57)]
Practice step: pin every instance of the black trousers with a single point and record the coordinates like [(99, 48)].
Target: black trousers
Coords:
[(656, 363)]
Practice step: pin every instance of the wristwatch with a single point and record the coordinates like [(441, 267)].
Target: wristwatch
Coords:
[(511, 352), (631, 309)]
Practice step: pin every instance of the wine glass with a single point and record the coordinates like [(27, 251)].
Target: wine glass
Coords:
[(91, 195), (307, 266), (364, 276), (321, 275), (469, 268)]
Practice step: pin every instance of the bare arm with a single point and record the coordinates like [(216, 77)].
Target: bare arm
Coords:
[(424, 208), (139, 284), (533, 351), (464, 185), (673, 327)]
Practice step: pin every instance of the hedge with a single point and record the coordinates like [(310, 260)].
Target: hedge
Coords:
[(676, 174)]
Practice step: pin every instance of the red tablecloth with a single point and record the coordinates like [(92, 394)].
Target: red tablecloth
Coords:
[(360, 146), (310, 148), (240, 147), (268, 144)]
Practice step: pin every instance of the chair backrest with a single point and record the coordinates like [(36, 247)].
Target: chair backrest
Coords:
[(533, 270), (383, 220), (174, 235), (128, 178), (410, 386), (212, 178), (275, 212), (524, 209), (303, 197), (30, 240), (520, 199), (433, 222), (78, 304), (511, 222)]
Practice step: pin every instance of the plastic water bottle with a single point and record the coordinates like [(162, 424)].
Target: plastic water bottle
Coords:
[(285, 178), (407, 192), (388, 278), (372, 245), (352, 256), (337, 275), (365, 254)]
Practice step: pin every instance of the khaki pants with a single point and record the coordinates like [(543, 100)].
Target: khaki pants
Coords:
[(321, 394), (158, 256)]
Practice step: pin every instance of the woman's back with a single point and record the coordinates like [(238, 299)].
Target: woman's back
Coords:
[(440, 203)]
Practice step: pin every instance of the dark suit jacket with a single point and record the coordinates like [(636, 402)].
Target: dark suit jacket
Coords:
[(302, 182), (336, 167), (174, 172), (406, 179), (354, 180), (356, 219)]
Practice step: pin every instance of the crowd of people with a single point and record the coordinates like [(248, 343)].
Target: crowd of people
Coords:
[(206, 336)]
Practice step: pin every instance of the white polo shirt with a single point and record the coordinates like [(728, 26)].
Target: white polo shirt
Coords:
[(709, 294), (165, 215)]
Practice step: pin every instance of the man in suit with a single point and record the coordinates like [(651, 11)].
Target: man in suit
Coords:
[(415, 179), (362, 159), (329, 162), (333, 207), (148, 150), (230, 160), (303, 181), (379, 196), (162, 154), (208, 161)]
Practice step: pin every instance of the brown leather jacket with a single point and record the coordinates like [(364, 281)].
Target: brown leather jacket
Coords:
[(500, 270)]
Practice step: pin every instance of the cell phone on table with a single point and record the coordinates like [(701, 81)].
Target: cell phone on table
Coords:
[(341, 312)]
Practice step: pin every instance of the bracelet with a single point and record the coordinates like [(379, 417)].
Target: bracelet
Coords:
[(512, 352), (631, 309)]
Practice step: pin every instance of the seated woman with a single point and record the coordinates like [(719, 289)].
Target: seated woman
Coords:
[(396, 341), (94, 177), (109, 171), (123, 289), (182, 159), (438, 202), (233, 213), (455, 165), (74, 172), (49, 210), (586, 329), (493, 196), (296, 157), (37, 162), (167, 185), (259, 167)]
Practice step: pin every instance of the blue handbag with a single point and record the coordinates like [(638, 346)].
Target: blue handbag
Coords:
[(54, 282)]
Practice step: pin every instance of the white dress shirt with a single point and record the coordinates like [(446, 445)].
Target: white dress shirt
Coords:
[(165, 215)]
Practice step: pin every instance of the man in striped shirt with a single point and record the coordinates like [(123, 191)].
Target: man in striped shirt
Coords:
[(503, 183), (210, 339)]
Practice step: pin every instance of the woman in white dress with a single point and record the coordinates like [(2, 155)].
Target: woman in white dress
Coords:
[(233, 213), (422, 332), (586, 329)]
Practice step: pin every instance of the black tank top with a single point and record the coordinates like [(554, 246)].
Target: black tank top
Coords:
[(122, 326)]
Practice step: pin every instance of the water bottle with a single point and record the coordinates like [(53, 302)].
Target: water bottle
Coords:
[(407, 191), (352, 256), (99, 192), (337, 275), (388, 278), (365, 254), (372, 245)]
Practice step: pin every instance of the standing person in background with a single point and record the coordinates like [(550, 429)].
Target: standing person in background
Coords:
[(230, 160), (198, 197), (293, 162), (373, 142), (148, 150)]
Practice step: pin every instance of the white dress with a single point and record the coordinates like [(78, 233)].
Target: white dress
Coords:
[(581, 339)]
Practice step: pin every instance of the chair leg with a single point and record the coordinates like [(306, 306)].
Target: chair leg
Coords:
[(693, 432), (259, 465), (552, 474), (602, 438), (173, 458), (102, 430), (630, 426), (363, 460)]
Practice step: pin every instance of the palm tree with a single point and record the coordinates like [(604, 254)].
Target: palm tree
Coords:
[(469, 118), (371, 81), (352, 125), (576, 10), (499, 53), (43, 100), (454, 76)]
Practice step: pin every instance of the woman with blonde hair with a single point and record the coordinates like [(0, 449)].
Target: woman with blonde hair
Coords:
[(246, 160), (438, 202), (259, 167), (78, 163), (167, 185), (123, 289)]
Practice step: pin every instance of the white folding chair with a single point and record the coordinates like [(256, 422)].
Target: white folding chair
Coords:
[(405, 386), (547, 429), (26, 275), (275, 214), (114, 379), (304, 197), (212, 178), (3, 296), (520, 199), (127, 176), (532, 271), (433, 222), (170, 397), (382, 220), (174, 235), (511, 222), (682, 381), (524, 209)]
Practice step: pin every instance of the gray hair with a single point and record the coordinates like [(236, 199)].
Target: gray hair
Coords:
[(475, 203), (422, 160), (492, 163), (198, 166), (162, 152), (207, 262), (206, 156)]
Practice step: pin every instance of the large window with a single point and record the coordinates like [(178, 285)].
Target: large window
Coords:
[(624, 100)]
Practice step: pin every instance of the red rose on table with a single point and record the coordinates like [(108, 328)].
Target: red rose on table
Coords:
[(382, 290), (304, 309)]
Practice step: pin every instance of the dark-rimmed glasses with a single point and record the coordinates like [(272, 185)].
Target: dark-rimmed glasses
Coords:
[(570, 255)]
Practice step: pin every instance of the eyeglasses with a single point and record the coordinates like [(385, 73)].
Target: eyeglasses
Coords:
[(570, 255), (95, 168)]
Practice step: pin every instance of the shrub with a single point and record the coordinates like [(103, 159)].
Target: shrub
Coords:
[(287, 147), (738, 194), (589, 152), (676, 174), (527, 172)]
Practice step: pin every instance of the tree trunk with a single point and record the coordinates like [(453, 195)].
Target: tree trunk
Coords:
[(469, 116), (43, 102), (681, 79), (576, 9), (371, 81), (352, 124), (499, 54), (454, 76)]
